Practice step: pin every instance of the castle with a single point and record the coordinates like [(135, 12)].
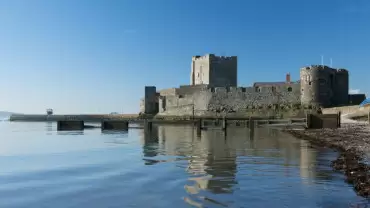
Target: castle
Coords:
[(213, 89)]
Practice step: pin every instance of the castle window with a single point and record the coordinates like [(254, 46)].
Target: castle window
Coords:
[(309, 83), (257, 89), (273, 89), (243, 89), (290, 89)]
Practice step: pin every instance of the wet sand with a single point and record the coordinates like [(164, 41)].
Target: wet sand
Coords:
[(353, 143)]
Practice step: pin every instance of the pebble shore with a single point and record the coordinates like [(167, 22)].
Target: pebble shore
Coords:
[(352, 140)]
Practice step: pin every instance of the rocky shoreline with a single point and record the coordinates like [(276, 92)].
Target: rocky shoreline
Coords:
[(353, 143)]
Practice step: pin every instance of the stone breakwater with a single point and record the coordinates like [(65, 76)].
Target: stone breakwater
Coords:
[(353, 143), (81, 117)]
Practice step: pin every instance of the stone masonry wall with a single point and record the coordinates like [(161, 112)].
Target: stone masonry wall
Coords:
[(223, 71), (232, 100), (142, 105), (181, 105), (214, 70), (167, 92), (190, 90), (150, 100), (200, 70), (242, 99)]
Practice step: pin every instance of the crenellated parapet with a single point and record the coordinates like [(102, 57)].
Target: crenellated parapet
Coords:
[(278, 89), (213, 89), (214, 57), (324, 86), (167, 92)]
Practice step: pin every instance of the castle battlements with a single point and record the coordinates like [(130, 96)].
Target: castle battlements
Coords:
[(324, 67), (213, 56), (213, 88)]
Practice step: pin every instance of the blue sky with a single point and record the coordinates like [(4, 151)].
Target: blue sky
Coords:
[(96, 56)]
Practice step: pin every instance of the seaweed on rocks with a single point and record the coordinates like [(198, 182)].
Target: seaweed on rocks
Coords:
[(351, 141)]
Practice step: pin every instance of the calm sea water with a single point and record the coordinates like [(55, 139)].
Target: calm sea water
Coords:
[(171, 167)]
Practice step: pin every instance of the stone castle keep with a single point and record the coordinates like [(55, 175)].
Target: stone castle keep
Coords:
[(213, 90)]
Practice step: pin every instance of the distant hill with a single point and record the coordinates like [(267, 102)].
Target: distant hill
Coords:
[(5, 114)]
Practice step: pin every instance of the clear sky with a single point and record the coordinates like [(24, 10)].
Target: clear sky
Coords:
[(91, 56)]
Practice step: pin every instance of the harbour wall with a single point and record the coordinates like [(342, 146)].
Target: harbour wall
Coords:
[(343, 109), (81, 117), (350, 112)]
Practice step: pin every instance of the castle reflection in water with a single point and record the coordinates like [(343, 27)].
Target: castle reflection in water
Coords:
[(212, 159)]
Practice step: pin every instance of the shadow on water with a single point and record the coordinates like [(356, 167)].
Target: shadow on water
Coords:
[(50, 127)]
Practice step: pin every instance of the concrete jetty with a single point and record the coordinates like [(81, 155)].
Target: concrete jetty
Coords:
[(310, 121), (82, 117)]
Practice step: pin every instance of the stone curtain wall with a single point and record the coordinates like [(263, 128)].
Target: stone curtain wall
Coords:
[(190, 90), (181, 105), (232, 100), (242, 99), (168, 92)]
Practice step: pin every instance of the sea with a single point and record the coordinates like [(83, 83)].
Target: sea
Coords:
[(169, 166)]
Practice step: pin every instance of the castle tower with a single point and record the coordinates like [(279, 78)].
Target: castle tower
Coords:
[(217, 71), (341, 87), (317, 83), (150, 100), (193, 64)]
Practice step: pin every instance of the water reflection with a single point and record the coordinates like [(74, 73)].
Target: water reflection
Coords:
[(119, 133), (217, 162), (273, 170), (296, 153), (213, 160), (149, 139), (307, 161), (70, 133), (115, 136), (49, 128)]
